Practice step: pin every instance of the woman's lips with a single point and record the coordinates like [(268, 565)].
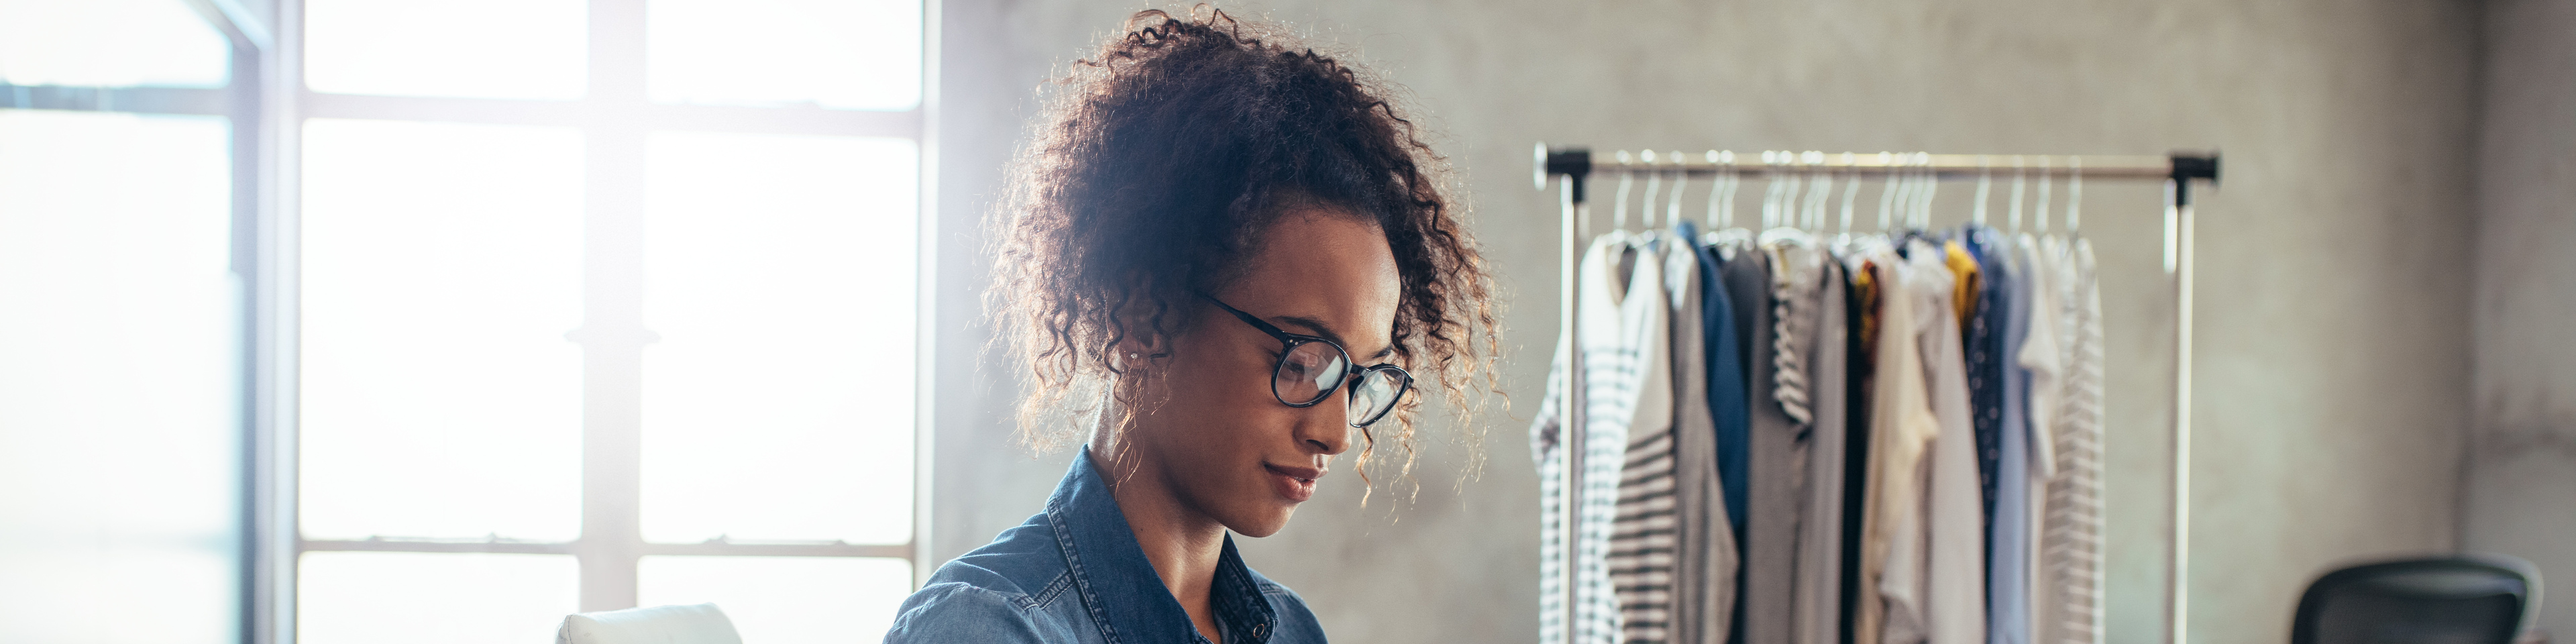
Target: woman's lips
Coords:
[(1293, 483)]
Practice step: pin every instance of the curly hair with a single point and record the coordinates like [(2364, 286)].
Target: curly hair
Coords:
[(1153, 169)]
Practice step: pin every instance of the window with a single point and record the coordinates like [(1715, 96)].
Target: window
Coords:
[(606, 303), (333, 314), (122, 366)]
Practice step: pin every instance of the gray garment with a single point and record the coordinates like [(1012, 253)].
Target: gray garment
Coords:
[(1820, 532), (1775, 474), (1795, 265), (1704, 575)]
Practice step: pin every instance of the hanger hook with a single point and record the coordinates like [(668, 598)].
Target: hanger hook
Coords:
[(1681, 181), (1794, 173), (1820, 184), (1985, 185), (1887, 189), (2074, 194), (1851, 188), (1722, 161), (2041, 221), (1734, 184), (1770, 187), (1931, 188), (1654, 187), (2014, 215), (1619, 212)]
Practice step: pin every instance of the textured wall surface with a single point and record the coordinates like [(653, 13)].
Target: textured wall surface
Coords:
[(2521, 472), (2334, 358)]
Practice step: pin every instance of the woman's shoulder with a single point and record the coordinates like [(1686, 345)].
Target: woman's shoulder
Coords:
[(1022, 562), (997, 593), (956, 611)]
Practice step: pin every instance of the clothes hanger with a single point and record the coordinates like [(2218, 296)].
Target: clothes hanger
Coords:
[(2015, 214), (2074, 196), (1770, 189), (1681, 181), (2040, 223), (1851, 188), (1728, 235), (1725, 161), (1619, 212), (1799, 206), (1733, 183), (1915, 194), (1656, 232), (1654, 186), (1914, 208), (1820, 187), (1802, 190), (1898, 214), (1721, 205), (1923, 201), (1887, 190), (1985, 185)]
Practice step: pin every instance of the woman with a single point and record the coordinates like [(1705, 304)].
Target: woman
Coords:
[(1223, 253)]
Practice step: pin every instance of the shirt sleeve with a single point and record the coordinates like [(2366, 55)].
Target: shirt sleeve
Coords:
[(958, 612)]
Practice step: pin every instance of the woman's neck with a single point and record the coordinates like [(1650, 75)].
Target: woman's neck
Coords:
[(1182, 543)]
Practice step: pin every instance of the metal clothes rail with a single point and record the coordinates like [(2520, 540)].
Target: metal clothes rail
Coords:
[(2178, 171)]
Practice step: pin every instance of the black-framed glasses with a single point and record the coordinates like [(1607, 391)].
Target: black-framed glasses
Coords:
[(1310, 368)]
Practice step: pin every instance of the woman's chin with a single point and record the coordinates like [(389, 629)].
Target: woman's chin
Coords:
[(1263, 523)]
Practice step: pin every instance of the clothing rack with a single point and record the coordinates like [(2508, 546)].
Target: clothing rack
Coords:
[(2178, 171)]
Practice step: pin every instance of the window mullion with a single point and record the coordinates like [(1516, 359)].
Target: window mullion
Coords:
[(613, 334)]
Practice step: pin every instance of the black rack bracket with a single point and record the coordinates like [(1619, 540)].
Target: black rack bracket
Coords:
[(2192, 165), (1574, 163)]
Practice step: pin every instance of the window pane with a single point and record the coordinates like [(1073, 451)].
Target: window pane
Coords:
[(785, 600), (442, 269), (433, 598), (120, 441), (779, 272), (847, 54), (526, 49), (110, 43)]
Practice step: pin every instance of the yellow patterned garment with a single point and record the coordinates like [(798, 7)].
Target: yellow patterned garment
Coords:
[(1971, 282)]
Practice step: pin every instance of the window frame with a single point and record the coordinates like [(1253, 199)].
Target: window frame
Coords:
[(615, 115), (266, 103), (241, 101)]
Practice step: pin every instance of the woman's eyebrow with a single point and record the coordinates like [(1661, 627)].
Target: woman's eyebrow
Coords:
[(1319, 328)]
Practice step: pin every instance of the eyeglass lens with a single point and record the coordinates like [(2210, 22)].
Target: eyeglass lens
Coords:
[(1311, 371), (1376, 395)]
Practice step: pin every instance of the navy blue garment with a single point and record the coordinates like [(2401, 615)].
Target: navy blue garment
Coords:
[(1726, 388), (1988, 361), (1075, 573), (1984, 341)]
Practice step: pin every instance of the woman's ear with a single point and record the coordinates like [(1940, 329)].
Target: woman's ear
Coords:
[(1145, 325), (1142, 347)]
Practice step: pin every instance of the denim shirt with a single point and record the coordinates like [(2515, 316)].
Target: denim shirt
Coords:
[(1074, 573)]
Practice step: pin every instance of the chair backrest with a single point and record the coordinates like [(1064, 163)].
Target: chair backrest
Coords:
[(690, 624), (2465, 599)]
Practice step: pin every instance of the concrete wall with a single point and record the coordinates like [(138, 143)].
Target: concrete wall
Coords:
[(2521, 472), (2334, 297)]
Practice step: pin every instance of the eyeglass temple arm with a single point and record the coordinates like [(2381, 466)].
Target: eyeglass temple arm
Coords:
[(1247, 318)]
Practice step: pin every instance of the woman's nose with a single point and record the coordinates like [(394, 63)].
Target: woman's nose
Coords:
[(1326, 427)]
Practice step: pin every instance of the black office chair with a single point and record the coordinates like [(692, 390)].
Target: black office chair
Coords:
[(2465, 599)]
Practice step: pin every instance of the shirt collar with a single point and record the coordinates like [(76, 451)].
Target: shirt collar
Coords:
[(1119, 587)]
